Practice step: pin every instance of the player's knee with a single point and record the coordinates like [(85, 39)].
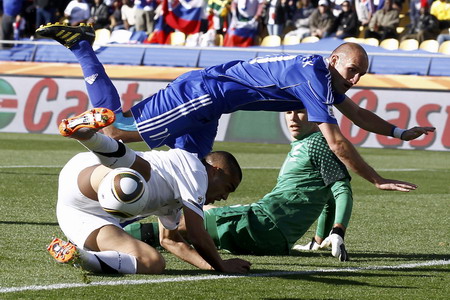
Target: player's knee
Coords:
[(151, 264)]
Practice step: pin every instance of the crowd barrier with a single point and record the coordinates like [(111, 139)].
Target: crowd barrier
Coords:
[(382, 61)]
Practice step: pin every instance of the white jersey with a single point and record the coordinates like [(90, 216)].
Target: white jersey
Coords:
[(177, 178)]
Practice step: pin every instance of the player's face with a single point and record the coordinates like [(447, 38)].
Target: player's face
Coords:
[(346, 70), (220, 185), (298, 124)]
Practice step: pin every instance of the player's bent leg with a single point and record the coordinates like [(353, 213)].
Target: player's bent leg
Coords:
[(123, 135), (79, 39), (112, 238)]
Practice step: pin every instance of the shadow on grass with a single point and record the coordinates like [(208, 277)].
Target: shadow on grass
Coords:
[(29, 223)]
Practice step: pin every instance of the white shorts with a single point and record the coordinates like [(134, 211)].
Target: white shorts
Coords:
[(78, 216)]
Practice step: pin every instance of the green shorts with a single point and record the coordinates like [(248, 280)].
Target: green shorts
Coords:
[(245, 229)]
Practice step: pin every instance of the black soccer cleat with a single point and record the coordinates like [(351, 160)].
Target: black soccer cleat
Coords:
[(67, 35)]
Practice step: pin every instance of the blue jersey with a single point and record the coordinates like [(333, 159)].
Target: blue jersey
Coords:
[(185, 114)]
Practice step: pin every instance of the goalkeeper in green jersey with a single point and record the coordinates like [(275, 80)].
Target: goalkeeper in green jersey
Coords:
[(312, 184)]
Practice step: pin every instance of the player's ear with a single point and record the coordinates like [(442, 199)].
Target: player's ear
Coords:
[(334, 59)]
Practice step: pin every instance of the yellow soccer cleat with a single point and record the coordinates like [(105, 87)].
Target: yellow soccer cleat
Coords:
[(67, 35)]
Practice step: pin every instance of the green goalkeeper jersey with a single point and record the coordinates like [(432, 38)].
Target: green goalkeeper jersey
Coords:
[(303, 183)]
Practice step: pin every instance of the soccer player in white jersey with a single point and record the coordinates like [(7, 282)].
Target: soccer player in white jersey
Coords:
[(185, 114), (175, 181)]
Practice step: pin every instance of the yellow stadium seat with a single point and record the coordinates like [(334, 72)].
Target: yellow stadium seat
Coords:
[(271, 41), (310, 39), (291, 40), (389, 44), (372, 42), (354, 40), (409, 45), (102, 36), (429, 45), (177, 38), (445, 48)]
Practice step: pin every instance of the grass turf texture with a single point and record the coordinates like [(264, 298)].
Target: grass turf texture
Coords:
[(386, 229)]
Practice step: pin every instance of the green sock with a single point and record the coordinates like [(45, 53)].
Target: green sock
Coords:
[(326, 220), (146, 232), (344, 203)]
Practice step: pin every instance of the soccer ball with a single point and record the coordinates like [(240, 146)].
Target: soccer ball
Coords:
[(123, 192)]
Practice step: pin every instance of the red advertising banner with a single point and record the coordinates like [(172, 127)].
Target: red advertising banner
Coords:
[(38, 104)]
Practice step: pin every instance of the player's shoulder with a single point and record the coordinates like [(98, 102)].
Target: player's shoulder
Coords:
[(316, 140)]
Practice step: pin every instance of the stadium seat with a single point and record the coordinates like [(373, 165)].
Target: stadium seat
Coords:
[(409, 45), (102, 36), (372, 42), (310, 39), (389, 44), (429, 45), (354, 40), (271, 41), (291, 40), (177, 38), (445, 48), (120, 36)]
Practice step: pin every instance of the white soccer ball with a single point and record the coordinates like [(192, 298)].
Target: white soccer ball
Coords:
[(123, 192)]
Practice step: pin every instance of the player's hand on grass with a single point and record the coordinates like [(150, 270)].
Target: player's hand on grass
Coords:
[(396, 185), (415, 132), (236, 265)]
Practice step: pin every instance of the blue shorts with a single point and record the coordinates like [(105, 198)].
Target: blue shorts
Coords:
[(180, 116)]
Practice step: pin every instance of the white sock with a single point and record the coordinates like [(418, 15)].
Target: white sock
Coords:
[(112, 153), (108, 262)]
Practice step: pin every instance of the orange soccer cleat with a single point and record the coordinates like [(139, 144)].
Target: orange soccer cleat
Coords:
[(95, 118), (62, 251)]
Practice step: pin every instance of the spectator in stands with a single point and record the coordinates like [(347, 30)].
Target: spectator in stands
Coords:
[(145, 15), (77, 11), (384, 22), (426, 27), (346, 24), (443, 37), (336, 7), (45, 12), (11, 20), (321, 20), (275, 17), (99, 15), (301, 19), (116, 16), (128, 15), (219, 9), (364, 10), (441, 10)]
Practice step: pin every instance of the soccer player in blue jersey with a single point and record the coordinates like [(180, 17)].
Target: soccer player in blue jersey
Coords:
[(185, 114)]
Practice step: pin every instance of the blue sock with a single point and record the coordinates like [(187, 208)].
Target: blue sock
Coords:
[(102, 92)]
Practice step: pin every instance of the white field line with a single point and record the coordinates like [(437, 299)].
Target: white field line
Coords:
[(214, 277), (244, 168)]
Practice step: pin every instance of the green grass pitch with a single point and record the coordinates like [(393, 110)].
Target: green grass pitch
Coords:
[(398, 242)]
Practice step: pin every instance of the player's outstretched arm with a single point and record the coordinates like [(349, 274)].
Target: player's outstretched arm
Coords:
[(371, 122), (415, 132), (348, 154), (206, 248), (173, 242)]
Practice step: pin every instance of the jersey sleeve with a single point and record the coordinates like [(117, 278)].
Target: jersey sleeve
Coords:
[(310, 81), (193, 192), (330, 167)]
